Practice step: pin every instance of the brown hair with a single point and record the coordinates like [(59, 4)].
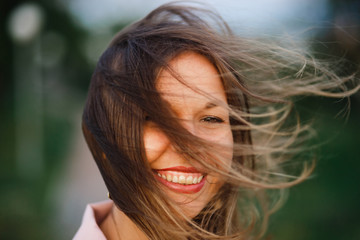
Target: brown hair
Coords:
[(259, 79)]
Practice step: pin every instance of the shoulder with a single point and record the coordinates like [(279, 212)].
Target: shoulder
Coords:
[(94, 215)]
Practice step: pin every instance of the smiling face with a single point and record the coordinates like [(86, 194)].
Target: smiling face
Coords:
[(203, 114)]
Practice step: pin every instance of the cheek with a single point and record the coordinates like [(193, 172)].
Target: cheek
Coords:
[(229, 144), (155, 143), (223, 153), (223, 144), (228, 150)]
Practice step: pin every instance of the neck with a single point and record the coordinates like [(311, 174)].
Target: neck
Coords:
[(117, 226)]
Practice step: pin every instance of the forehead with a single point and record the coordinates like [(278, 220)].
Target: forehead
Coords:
[(198, 77)]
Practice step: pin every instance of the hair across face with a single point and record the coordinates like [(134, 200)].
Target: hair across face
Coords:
[(159, 104), (199, 103), (183, 117)]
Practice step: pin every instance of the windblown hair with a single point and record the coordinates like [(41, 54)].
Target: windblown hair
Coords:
[(260, 80)]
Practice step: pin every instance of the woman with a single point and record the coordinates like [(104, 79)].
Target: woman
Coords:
[(190, 126)]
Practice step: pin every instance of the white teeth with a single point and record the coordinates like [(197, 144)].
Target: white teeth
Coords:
[(189, 180), (175, 179), (168, 177), (182, 179)]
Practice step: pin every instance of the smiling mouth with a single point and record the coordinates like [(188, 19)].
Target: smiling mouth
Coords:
[(181, 179)]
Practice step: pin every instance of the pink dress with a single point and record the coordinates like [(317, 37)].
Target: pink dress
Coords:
[(94, 214)]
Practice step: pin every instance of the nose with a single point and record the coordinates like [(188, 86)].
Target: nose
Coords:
[(155, 142), (190, 127)]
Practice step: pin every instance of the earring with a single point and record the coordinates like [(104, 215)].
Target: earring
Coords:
[(108, 195)]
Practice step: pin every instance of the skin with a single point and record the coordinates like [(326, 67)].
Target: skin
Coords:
[(203, 116)]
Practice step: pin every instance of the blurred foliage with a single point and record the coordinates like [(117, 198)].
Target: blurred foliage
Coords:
[(24, 211), (324, 207)]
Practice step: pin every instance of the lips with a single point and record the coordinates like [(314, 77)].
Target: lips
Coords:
[(181, 179)]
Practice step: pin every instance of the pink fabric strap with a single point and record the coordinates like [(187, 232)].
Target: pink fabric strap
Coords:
[(94, 214)]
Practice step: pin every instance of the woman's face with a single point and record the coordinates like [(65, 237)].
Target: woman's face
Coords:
[(203, 116)]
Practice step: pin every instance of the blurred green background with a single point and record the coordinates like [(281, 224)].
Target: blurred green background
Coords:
[(48, 50)]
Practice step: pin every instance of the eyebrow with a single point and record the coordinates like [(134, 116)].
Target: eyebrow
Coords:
[(211, 105)]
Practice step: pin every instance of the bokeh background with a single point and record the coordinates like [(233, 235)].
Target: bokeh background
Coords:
[(48, 50)]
